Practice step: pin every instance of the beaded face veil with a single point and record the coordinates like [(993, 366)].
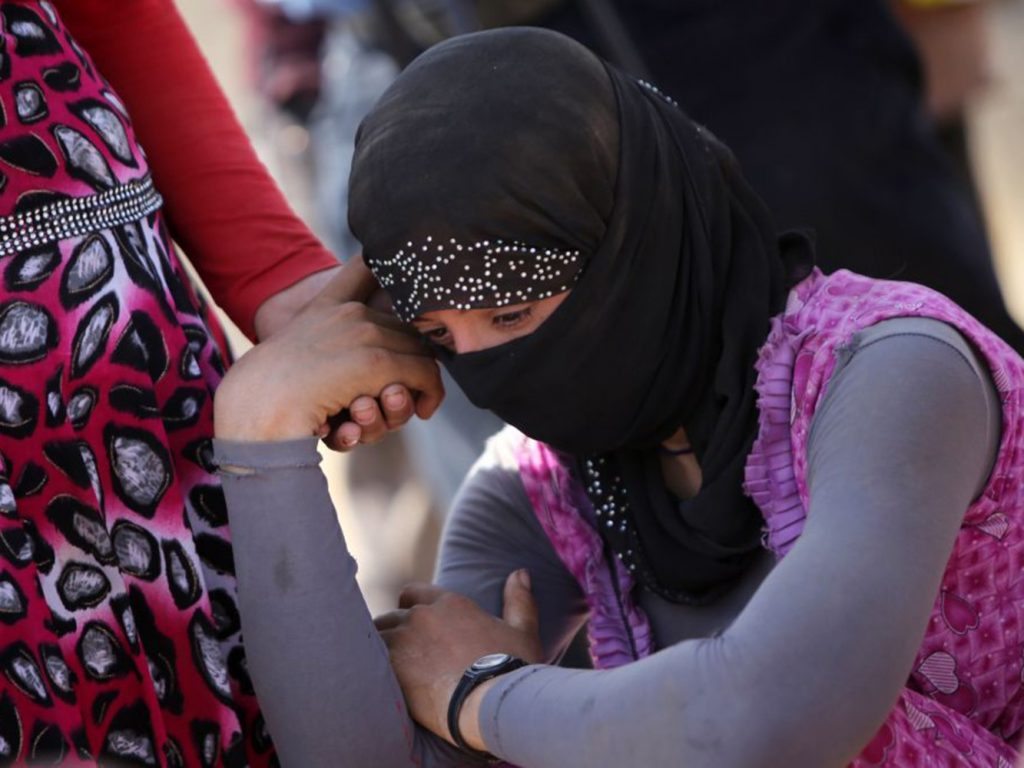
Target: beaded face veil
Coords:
[(553, 171)]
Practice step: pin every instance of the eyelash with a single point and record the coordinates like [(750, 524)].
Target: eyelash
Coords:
[(512, 319), (436, 335), (505, 321)]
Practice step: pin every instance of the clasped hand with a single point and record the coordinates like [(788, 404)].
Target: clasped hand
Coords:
[(336, 356), (435, 635)]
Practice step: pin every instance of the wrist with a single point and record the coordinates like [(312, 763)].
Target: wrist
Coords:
[(236, 418), (469, 717), (464, 705)]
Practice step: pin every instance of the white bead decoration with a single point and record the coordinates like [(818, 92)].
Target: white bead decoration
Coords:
[(658, 92), (471, 276), (75, 217)]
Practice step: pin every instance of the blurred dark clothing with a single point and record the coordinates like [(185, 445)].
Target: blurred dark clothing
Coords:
[(821, 100)]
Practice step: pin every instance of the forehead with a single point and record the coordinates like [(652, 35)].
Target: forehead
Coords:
[(437, 274)]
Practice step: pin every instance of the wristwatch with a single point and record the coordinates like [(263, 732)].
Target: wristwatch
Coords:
[(484, 668)]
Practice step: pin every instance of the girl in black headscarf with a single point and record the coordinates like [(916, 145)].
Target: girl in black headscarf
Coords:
[(673, 243), (590, 265)]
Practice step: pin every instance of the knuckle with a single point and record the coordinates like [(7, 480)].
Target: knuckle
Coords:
[(454, 601), (366, 332), (351, 310), (377, 358), (416, 615)]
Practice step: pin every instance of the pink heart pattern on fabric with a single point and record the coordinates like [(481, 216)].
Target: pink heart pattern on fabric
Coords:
[(939, 669), (995, 525), (917, 718), (964, 699), (959, 615)]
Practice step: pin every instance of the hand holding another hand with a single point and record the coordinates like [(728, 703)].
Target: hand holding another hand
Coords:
[(336, 354), (435, 635)]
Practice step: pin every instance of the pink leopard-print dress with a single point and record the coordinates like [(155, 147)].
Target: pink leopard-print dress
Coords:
[(119, 635), (963, 703)]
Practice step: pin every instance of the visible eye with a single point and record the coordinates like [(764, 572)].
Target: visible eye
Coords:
[(439, 335), (512, 319)]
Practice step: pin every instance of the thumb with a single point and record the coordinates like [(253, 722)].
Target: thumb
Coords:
[(354, 282), (520, 611)]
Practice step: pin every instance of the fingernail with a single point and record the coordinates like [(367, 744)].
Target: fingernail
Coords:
[(523, 576), (360, 407), (394, 400), (348, 442)]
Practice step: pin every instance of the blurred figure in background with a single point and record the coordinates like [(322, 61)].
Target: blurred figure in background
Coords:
[(817, 99), (951, 39)]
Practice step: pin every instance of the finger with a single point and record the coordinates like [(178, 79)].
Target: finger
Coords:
[(520, 609), (397, 404), (366, 413), (338, 439), (390, 620), (419, 593), (333, 441), (345, 437), (354, 282), (427, 402), (417, 373)]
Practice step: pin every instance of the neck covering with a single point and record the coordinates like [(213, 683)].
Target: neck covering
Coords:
[(523, 135)]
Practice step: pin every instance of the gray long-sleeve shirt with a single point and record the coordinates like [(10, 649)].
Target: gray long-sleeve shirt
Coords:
[(902, 443)]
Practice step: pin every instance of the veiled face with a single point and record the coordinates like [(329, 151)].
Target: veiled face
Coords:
[(471, 330)]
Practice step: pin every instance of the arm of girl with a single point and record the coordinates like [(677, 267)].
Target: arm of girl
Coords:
[(318, 667), (810, 669), (258, 259)]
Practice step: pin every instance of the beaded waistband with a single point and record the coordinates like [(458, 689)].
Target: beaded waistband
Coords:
[(74, 217)]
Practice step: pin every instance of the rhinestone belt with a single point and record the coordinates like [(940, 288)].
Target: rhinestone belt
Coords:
[(74, 217)]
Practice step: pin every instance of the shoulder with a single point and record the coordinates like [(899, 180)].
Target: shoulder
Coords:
[(492, 506), (916, 334), (918, 356), (904, 388)]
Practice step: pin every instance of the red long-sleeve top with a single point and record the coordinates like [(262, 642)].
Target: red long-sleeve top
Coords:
[(222, 206)]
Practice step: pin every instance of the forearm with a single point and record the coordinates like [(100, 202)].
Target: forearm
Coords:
[(317, 664), (777, 688), (698, 704)]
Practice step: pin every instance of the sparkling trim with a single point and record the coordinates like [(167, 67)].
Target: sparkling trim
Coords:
[(74, 217), (658, 92), (487, 273), (610, 499), (619, 630)]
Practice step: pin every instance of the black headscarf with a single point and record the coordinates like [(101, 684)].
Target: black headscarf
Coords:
[(523, 135)]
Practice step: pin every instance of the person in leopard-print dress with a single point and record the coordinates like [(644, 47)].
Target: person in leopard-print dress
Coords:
[(119, 632)]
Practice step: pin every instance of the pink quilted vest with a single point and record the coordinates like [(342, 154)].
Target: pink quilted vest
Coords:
[(964, 699)]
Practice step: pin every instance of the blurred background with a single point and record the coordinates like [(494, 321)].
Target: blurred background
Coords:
[(974, 67)]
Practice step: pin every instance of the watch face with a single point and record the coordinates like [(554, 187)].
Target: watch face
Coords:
[(490, 661)]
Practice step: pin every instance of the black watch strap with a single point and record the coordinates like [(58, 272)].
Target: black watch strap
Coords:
[(481, 670)]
